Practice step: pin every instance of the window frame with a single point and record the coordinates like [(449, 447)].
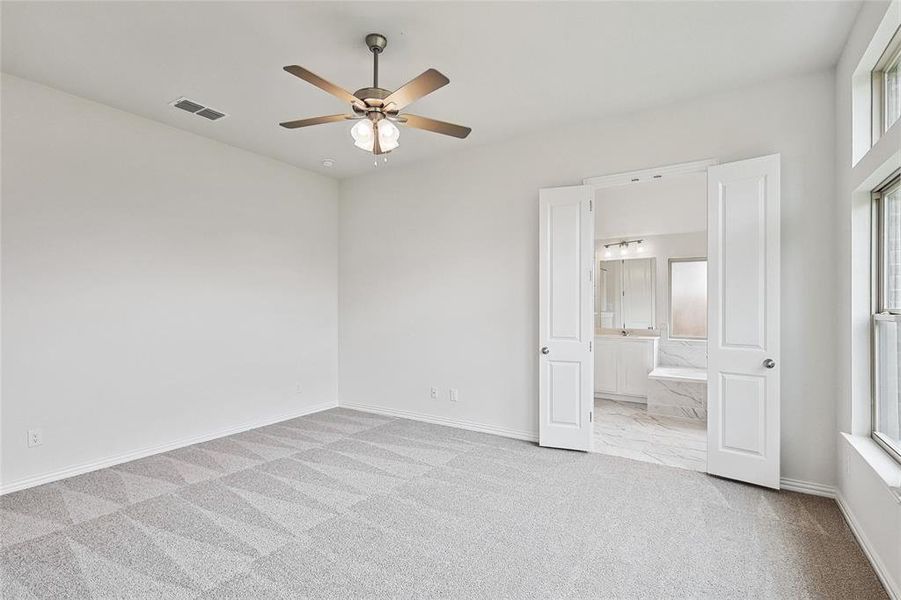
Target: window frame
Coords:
[(669, 299), (879, 311), (889, 58)]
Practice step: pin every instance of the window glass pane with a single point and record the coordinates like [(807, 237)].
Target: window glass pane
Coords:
[(888, 392), (688, 299), (892, 87), (891, 271)]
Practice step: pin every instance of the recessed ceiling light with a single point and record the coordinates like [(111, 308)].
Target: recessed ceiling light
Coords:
[(328, 162)]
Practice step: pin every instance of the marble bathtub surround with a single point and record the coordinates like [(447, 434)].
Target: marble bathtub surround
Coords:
[(679, 374), (678, 392), (687, 400), (681, 353)]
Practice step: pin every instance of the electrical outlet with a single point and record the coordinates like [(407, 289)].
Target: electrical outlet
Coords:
[(454, 395), (298, 388), (433, 393), (35, 437)]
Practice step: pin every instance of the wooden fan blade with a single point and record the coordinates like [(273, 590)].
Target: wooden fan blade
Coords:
[(457, 131), (315, 121), (322, 84), (411, 91)]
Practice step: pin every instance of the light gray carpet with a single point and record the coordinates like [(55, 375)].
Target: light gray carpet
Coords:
[(344, 504)]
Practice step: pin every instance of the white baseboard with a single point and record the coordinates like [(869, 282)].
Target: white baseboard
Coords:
[(529, 436), (893, 588), (28, 482), (807, 487)]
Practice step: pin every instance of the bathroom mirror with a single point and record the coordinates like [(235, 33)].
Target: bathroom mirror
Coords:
[(624, 298)]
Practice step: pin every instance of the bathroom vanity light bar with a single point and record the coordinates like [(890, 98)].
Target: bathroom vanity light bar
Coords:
[(623, 246), (624, 243)]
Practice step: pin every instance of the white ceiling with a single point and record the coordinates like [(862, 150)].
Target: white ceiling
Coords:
[(513, 66), (673, 204)]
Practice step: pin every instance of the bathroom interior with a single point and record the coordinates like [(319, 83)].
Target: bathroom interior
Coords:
[(650, 310)]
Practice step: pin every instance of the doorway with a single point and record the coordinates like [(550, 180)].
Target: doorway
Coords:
[(616, 345), (650, 315)]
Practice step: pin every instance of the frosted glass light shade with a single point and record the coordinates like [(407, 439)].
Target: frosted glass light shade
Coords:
[(362, 135), (388, 135)]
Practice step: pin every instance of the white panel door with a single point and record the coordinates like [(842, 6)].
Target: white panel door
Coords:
[(743, 415), (565, 317)]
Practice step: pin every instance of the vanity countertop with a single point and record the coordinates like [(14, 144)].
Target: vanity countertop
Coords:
[(633, 337)]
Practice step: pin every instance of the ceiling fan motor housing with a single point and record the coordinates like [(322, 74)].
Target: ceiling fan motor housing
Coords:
[(372, 93), (372, 97)]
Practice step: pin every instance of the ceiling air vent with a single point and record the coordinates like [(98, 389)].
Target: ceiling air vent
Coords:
[(198, 109), (209, 113), (187, 105)]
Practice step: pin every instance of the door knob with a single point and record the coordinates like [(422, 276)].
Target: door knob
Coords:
[(545, 350), (769, 363)]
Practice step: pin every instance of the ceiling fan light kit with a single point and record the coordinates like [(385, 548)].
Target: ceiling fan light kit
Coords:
[(377, 110)]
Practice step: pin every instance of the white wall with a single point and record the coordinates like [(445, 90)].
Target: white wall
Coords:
[(675, 204), (157, 286), (865, 473), (439, 260), (663, 248)]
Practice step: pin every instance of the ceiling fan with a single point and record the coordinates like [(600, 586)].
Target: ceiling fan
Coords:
[(377, 109)]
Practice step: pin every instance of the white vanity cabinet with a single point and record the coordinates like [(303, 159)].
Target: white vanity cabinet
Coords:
[(622, 364)]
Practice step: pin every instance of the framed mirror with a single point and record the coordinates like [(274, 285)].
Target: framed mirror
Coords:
[(625, 294)]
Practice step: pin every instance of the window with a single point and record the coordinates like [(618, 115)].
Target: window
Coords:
[(688, 298), (887, 88), (887, 318)]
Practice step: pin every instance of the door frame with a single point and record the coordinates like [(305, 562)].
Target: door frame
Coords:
[(645, 176)]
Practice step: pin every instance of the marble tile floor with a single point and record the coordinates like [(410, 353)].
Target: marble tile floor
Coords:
[(625, 429)]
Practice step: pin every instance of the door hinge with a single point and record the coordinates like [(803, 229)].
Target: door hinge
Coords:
[(589, 346), (591, 416), (590, 205)]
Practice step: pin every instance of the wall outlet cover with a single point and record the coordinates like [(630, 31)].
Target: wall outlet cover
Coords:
[(454, 395), (433, 393), (35, 437)]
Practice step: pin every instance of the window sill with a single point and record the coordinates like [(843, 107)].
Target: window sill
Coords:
[(885, 467)]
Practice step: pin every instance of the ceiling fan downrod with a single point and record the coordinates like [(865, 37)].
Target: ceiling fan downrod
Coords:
[(376, 43)]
